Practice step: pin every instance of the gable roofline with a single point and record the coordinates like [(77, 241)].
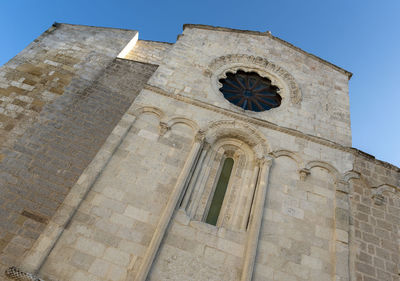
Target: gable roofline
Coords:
[(268, 34), (57, 24)]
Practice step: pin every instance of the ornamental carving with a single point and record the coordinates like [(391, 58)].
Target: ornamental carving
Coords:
[(218, 68), (238, 130)]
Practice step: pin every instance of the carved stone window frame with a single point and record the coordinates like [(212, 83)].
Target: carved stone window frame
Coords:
[(245, 145), (244, 164), (236, 205)]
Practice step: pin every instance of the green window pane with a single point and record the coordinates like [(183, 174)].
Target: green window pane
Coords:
[(219, 193)]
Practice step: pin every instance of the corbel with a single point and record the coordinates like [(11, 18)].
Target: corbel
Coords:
[(304, 173)]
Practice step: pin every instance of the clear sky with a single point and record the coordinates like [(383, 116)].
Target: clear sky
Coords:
[(362, 37)]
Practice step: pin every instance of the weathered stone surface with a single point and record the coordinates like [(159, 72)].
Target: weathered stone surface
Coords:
[(149, 51), (90, 189), (42, 162), (376, 223)]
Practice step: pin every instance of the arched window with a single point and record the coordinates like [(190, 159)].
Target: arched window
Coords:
[(220, 188), (219, 193)]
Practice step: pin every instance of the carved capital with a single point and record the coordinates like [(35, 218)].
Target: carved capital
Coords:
[(199, 137), (264, 161), (303, 173), (206, 145), (163, 128)]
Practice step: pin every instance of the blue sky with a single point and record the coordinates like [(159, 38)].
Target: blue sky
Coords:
[(362, 37)]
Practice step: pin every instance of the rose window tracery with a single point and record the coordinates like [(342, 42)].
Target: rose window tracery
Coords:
[(250, 91)]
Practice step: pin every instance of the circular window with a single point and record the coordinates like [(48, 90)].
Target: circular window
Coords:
[(250, 91)]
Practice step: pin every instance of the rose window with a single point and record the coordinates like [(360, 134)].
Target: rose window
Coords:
[(250, 91)]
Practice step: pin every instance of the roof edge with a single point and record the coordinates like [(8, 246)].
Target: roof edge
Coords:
[(155, 41), (56, 24), (372, 158), (268, 34)]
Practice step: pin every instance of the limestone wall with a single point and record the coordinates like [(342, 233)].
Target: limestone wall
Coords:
[(113, 227), (299, 230), (134, 195), (149, 51), (45, 69), (301, 237), (376, 219), (315, 94), (54, 120)]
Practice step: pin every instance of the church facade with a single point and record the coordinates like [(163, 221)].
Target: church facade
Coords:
[(224, 156)]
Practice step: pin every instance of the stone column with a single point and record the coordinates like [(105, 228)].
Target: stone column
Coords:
[(247, 208), (200, 185), (169, 210), (195, 177), (255, 220), (342, 229)]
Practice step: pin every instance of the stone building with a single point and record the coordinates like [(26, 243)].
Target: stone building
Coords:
[(224, 156)]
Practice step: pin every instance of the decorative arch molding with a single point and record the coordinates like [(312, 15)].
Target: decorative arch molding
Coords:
[(378, 192), (279, 76), (165, 124), (293, 155), (344, 183), (386, 188), (350, 175), (149, 109), (239, 130), (183, 120), (244, 160), (324, 165)]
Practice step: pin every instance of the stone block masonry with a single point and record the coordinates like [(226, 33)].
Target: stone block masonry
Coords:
[(149, 51), (60, 98), (110, 162), (376, 219)]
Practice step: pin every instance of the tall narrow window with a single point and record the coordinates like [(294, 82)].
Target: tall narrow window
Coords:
[(219, 193)]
